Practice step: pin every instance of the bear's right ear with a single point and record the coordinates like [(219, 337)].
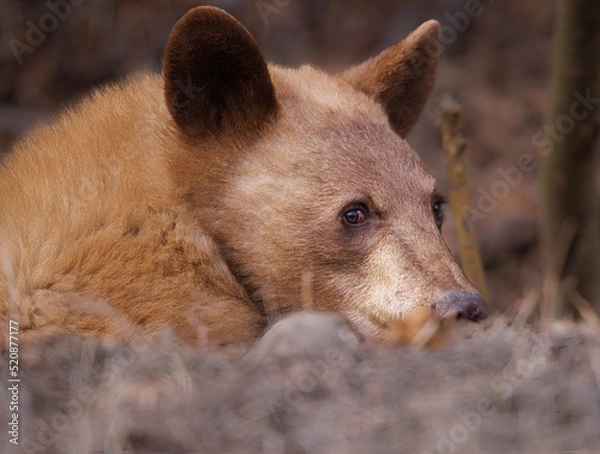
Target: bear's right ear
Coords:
[(216, 81)]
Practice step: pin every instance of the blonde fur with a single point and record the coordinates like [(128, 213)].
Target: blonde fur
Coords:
[(119, 218)]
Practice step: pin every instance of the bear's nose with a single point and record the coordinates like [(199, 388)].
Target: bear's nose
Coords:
[(462, 305)]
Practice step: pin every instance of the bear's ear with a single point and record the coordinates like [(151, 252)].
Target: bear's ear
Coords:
[(402, 76), (216, 80)]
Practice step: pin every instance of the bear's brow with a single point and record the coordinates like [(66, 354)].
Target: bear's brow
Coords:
[(360, 129)]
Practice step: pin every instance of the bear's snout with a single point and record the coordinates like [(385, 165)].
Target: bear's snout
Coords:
[(467, 305)]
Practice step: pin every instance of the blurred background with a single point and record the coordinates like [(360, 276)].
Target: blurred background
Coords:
[(496, 62)]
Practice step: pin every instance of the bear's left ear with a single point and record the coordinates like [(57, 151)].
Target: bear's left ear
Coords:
[(216, 80), (401, 78)]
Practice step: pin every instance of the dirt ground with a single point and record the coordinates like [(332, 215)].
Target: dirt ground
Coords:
[(310, 387), (496, 388)]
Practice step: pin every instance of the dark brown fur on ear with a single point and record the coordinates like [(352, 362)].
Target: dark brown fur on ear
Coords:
[(216, 80), (401, 77)]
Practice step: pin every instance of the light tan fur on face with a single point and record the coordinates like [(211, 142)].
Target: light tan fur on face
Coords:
[(344, 151), (145, 206)]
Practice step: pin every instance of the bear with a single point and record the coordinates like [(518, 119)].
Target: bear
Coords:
[(226, 192)]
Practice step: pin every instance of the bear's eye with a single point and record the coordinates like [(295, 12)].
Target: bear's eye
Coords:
[(437, 207), (354, 217)]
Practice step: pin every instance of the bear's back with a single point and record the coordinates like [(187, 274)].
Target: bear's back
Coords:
[(92, 162), (86, 210)]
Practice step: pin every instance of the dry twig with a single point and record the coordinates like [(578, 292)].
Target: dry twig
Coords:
[(453, 143)]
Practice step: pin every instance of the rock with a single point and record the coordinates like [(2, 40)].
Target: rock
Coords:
[(306, 332)]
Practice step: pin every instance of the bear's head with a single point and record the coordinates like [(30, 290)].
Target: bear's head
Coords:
[(305, 180)]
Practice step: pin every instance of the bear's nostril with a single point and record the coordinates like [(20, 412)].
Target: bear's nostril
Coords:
[(462, 305)]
